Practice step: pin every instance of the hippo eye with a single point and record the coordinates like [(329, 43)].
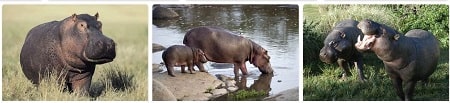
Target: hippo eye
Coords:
[(333, 44)]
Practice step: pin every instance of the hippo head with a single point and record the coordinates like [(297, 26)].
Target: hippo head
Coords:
[(82, 37), (375, 37), (199, 55), (261, 59), (334, 45)]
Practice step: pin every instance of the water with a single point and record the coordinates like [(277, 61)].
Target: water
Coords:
[(274, 27)]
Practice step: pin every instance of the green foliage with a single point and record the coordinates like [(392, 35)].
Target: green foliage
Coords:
[(247, 94), (433, 18)]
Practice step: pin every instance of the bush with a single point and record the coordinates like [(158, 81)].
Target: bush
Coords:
[(433, 18)]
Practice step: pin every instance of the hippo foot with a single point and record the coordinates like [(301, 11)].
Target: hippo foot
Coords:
[(172, 75)]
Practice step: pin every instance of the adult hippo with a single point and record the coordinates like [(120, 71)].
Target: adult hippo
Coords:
[(407, 59), (338, 47), (222, 46), (69, 48)]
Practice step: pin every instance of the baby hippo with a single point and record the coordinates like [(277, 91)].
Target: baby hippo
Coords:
[(407, 58), (179, 55)]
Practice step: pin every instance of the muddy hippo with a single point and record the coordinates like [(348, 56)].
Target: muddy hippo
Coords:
[(179, 55), (223, 46), (407, 58), (338, 47), (69, 48)]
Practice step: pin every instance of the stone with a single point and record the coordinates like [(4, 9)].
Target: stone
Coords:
[(287, 95), (161, 93)]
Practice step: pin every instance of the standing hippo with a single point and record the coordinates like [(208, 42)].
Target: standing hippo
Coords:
[(179, 55), (223, 46), (70, 48), (338, 46), (407, 59)]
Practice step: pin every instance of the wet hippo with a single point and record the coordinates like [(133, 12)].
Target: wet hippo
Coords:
[(69, 48), (338, 47), (179, 55), (407, 58), (223, 46)]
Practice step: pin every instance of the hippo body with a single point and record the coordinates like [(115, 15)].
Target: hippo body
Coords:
[(69, 48), (179, 55), (338, 47), (407, 59), (222, 46)]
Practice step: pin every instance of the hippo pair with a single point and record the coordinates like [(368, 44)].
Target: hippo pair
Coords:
[(222, 46), (69, 48)]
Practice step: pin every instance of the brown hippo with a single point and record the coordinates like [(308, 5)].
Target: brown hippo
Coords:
[(407, 59), (223, 46), (338, 47), (71, 48), (179, 55)]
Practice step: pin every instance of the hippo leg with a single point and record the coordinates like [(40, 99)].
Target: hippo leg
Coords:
[(182, 69), (170, 70), (191, 68), (244, 69), (344, 65), (397, 81), (409, 86), (82, 85), (359, 67), (200, 67)]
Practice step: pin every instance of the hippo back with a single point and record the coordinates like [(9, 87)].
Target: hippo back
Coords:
[(427, 47), (218, 44)]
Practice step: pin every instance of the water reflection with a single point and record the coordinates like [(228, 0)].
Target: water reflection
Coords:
[(262, 84), (274, 27)]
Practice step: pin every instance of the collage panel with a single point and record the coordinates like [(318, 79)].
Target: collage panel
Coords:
[(389, 52), (75, 52), (251, 52)]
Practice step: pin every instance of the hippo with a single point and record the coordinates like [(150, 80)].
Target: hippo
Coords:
[(222, 46), (179, 55), (407, 58), (338, 47), (70, 48)]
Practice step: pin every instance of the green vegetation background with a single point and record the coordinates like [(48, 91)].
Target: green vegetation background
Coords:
[(321, 80), (126, 78)]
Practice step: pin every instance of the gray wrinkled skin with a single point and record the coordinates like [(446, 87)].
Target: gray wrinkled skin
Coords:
[(407, 59), (338, 47), (69, 48)]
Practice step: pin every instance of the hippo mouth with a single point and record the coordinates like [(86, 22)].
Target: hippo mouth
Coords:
[(99, 60), (366, 43), (267, 69)]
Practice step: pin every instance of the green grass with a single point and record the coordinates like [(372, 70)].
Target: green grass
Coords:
[(321, 80), (126, 78)]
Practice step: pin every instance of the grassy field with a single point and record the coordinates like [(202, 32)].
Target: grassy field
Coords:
[(321, 81), (126, 78)]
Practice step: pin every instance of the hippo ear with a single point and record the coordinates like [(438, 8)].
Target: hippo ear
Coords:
[(396, 36), (96, 16), (74, 17)]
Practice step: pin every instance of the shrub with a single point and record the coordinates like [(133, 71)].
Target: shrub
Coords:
[(433, 18)]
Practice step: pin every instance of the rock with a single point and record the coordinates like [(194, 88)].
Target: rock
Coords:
[(157, 47), (197, 97), (231, 83), (164, 13), (186, 84), (156, 68), (161, 93), (232, 89), (287, 95), (219, 92)]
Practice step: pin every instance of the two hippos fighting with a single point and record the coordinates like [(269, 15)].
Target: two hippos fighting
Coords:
[(407, 58)]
